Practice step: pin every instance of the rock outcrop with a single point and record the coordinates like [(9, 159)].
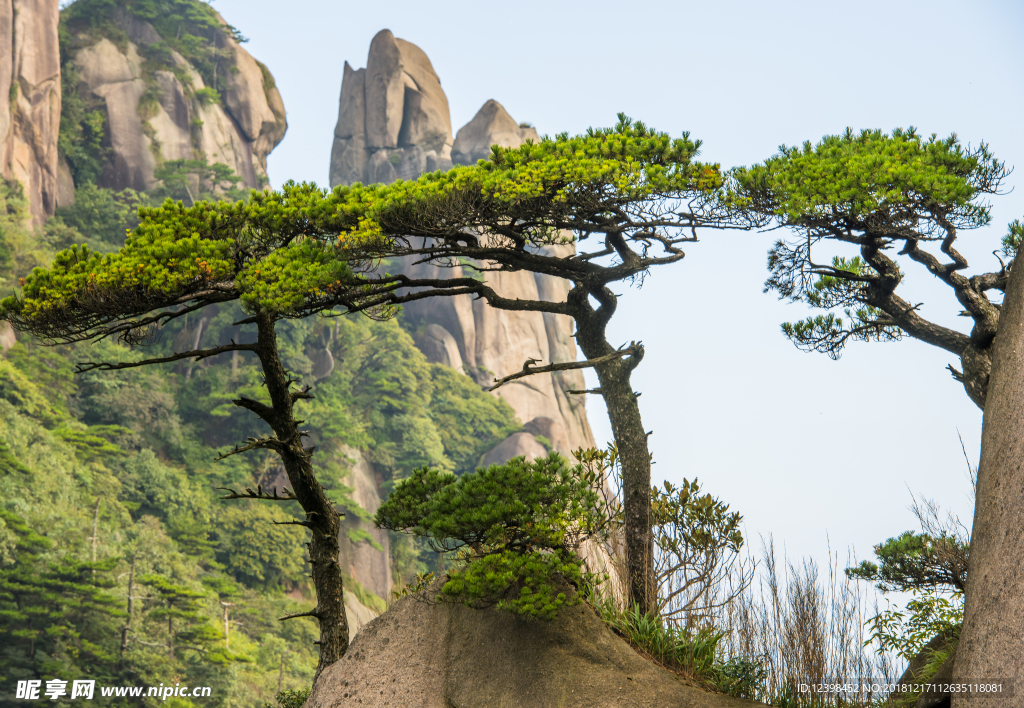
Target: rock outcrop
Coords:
[(492, 125), (370, 566), (421, 654), (30, 100), (158, 107), (393, 122), (393, 119)]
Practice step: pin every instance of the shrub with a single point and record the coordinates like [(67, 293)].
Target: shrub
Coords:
[(515, 529)]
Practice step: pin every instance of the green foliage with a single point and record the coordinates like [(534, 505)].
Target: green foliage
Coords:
[(691, 519), (102, 216), (189, 27), (872, 190), (691, 651), (195, 180), (290, 699), (1012, 239), (468, 424), (516, 526), (54, 614), (179, 252), (741, 677), (916, 562), (855, 176), (927, 615), (257, 551), (207, 96), (83, 119)]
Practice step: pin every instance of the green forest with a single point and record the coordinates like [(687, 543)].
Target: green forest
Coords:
[(109, 484), (118, 560)]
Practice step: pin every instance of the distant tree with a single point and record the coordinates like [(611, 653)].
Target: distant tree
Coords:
[(191, 181), (180, 260), (180, 607), (58, 613), (877, 193), (595, 210)]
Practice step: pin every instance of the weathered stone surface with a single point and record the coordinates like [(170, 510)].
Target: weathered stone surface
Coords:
[(515, 445), (240, 132), (172, 119), (349, 154), (369, 566), (7, 336), (492, 125), (30, 100), (393, 119), (385, 91), (65, 184), (357, 614), (552, 430), (439, 346), (425, 117), (423, 654)]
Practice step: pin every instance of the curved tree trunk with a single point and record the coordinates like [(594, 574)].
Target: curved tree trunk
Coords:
[(321, 516), (634, 457), (992, 641)]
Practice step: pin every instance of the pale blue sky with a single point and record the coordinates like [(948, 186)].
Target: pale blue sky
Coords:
[(801, 445)]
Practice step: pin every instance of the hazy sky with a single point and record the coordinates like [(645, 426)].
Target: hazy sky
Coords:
[(802, 446)]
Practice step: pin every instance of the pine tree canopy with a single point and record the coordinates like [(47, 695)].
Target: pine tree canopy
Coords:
[(268, 252), (296, 252), (888, 195), (515, 528)]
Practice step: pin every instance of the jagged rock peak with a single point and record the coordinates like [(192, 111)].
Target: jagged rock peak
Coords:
[(393, 118), (492, 125), (30, 100), (161, 104)]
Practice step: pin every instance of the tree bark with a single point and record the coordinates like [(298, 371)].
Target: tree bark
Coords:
[(634, 458), (992, 641), (321, 516)]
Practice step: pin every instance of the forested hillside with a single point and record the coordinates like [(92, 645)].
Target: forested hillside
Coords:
[(118, 560), (111, 501)]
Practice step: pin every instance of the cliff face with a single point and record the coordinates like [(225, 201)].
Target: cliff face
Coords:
[(157, 105), (30, 100), (393, 122)]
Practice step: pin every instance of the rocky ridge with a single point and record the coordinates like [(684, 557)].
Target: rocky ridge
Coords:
[(158, 107), (394, 123), (30, 100), (425, 654)]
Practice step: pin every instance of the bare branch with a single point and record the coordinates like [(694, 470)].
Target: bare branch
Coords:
[(311, 613), (196, 355), (253, 444), (259, 494), (529, 369)]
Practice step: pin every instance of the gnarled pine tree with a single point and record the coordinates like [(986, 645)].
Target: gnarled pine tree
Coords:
[(879, 193), (595, 210), (267, 254)]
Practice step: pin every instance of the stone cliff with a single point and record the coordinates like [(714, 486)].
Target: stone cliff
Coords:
[(393, 122), (218, 104), (30, 100)]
